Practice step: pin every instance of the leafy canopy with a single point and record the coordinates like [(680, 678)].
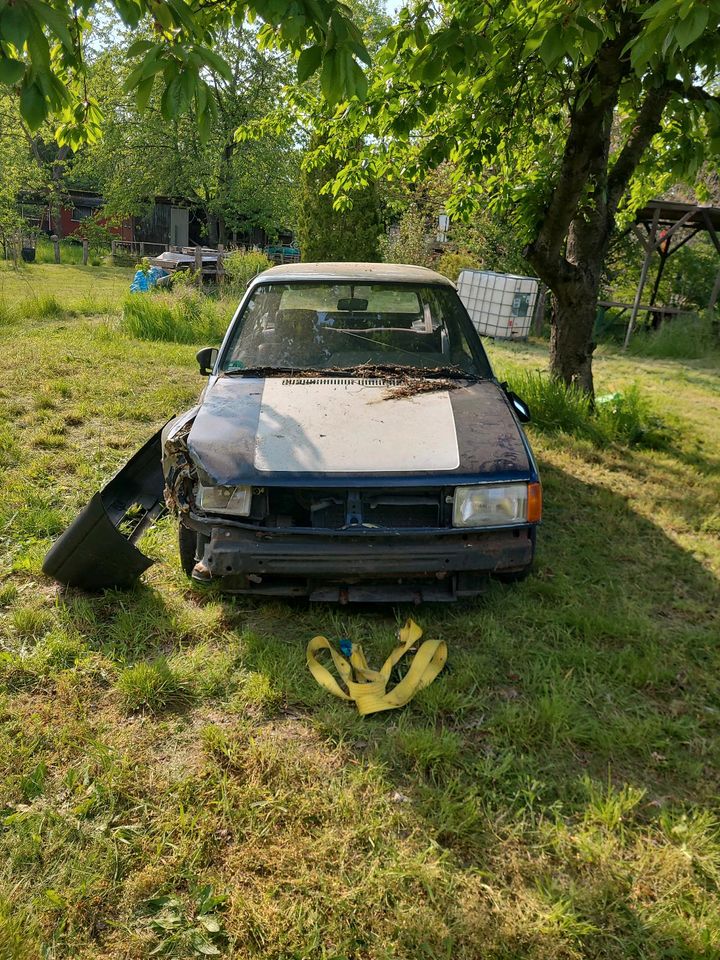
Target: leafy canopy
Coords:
[(494, 88), (43, 53)]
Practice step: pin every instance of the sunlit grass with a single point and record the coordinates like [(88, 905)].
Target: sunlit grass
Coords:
[(183, 316), (171, 775)]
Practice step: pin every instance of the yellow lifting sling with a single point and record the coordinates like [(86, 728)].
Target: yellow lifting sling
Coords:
[(366, 687)]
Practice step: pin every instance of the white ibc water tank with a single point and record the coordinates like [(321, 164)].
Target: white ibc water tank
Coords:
[(500, 305)]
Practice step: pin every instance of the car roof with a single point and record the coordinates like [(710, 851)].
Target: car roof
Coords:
[(354, 272)]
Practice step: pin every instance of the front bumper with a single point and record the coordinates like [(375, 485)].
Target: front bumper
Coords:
[(345, 565)]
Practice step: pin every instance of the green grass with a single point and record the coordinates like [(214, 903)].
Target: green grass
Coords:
[(183, 316), (67, 283), (624, 417), (173, 780), (153, 686), (683, 338)]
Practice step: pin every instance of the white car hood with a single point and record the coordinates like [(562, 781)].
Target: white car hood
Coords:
[(349, 426)]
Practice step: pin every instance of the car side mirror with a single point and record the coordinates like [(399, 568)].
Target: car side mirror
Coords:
[(522, 410), (206, 358)]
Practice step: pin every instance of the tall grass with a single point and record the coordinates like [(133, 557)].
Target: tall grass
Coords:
[(625, 418), (186, 316), (44, 307), (689, 339), (8, 315)]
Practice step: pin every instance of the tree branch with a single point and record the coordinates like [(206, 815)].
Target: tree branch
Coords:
[(585, 148), (646, 126), (692, 92)]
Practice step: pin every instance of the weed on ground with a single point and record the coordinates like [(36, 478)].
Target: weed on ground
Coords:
[(175, 784)]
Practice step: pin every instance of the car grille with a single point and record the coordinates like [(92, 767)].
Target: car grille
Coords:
[(338, 509)]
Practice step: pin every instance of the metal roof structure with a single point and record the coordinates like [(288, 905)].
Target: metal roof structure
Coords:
[(668, 225)]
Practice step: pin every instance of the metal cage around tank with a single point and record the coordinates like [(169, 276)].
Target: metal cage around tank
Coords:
[(500, 305)]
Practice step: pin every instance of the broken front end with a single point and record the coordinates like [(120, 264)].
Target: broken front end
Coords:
[(365, 542)]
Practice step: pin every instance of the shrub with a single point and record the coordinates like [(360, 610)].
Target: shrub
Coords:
[(187, 316), (628, 418), (679, 339), (242, 267), (152, 686), (409, 242), (625, 417), (452, 264)]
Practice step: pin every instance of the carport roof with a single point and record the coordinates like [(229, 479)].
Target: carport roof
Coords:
[(672, 211)]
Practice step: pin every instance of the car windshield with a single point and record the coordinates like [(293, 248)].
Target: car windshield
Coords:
[(326, 325)]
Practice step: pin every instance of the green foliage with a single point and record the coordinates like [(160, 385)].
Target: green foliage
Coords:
[(187, 316), (153, 686), (451, 264), (494, 241), (96, 232), (186, 930), (682, 337), (325, 233), (235, 185), (408, 241), (624, 418), (478, 87), (551, 117), (242, 267), (45, 56)]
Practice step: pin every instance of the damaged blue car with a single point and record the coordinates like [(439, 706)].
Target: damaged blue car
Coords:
[(351, 444)]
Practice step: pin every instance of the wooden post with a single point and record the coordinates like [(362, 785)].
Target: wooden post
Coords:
[(86, 251), (198, 265), (142, 249), (715, 293), (220, 269), (56, 247), (649, 250), (638, 297), (112, 251)]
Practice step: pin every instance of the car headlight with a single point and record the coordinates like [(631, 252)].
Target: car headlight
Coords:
[(495, 504), (235, 500)]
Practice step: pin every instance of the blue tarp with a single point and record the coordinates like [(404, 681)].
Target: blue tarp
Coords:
[(142, 281)]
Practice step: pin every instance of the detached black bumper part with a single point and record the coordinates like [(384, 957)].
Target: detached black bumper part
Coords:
[(93, 553)]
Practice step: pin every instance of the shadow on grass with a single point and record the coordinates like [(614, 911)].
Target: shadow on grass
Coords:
[(575, 707), (547, 796)]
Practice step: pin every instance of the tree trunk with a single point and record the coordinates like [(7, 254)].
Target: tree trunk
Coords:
[(212, 232), (571, 336)]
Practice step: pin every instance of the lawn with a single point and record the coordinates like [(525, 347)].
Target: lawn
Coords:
[(69, 283), (175, 784)]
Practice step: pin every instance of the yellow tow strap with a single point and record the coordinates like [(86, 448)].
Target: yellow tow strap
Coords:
[(368, 687)]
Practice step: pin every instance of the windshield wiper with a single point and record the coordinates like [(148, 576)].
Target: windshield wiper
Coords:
[(368, 369), (257, 371)]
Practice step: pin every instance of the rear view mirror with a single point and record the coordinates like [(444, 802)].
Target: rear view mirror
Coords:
[(352, 304), (206, 358), (522, 410)]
